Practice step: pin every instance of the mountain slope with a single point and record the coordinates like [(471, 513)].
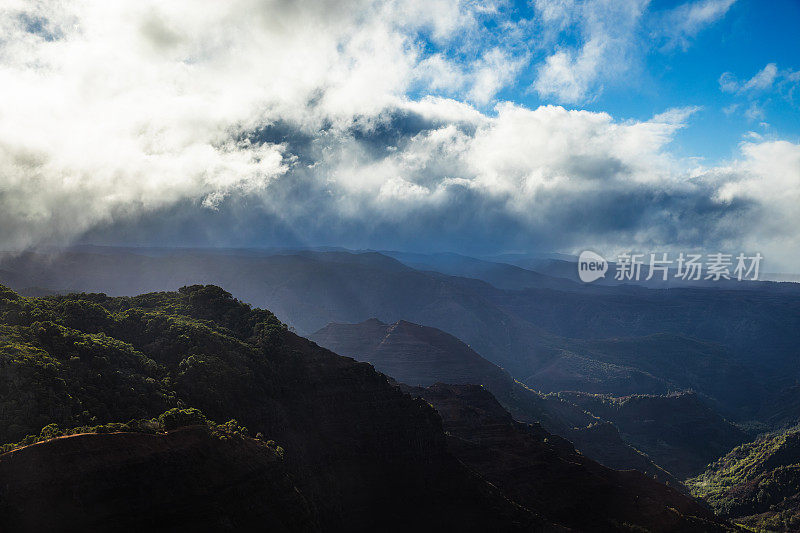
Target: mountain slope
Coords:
[(358, 454), (549, 339), (755, 326), (679, 432), (410, 353), (498, 274), (362, 453), (737, 349), (757, 484), (533, 466), (420, 355)]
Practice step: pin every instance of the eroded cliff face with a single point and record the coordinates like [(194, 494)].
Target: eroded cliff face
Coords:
[(544, 472)]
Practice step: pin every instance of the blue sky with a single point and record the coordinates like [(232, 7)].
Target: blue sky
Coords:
[(749, 36), (424, 125)]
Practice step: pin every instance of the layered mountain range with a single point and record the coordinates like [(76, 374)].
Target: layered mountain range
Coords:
[(737, 347), (347, 449), (542, 471), (679, 432), (661, 379)]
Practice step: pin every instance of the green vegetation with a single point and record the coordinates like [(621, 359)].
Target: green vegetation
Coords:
[(679, 431), (757, 483), (167, 421), (358, 449), (88, 362)]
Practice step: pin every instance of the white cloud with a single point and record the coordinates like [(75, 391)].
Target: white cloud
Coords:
[(762, 81), (568, 75), (605, 50), (676, 115), (556, 12), (730, 109), (576, 177), (115, 110), (768, 175), (754, 112), (684, 22), (109, 107), (728, 83), (493, 71), (611, 41), (524, 162), (767, 82)]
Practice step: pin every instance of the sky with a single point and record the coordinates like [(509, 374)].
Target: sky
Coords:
[(425, 125)]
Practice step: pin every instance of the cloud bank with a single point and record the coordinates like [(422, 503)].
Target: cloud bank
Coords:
[(362, 124)]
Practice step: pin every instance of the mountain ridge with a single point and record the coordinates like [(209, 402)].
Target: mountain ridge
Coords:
[(420, 355), (362, 453)]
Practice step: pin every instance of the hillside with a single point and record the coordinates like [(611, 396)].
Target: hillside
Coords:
[(754, 328), (499, 274), (735, 347), (306, 289), (420, 355), (679, 432), (349, 451), (532, 466), (410, 353), (681, 363), (183, 480), (756, 484), (360, 452)]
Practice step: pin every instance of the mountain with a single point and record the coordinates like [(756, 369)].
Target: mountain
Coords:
[(554, 265), (542, 471), (106, 405), (361, 453), (498, 274), (736, 348), (412, 354), (678, 431), (782, 413), (566, 267), (754, 327), (654, 364), (307, 290), (757, 484)]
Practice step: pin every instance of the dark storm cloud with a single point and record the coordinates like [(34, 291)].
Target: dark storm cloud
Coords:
[(255, 123)]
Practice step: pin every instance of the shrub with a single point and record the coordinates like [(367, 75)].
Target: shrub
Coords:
[(175, 418)]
